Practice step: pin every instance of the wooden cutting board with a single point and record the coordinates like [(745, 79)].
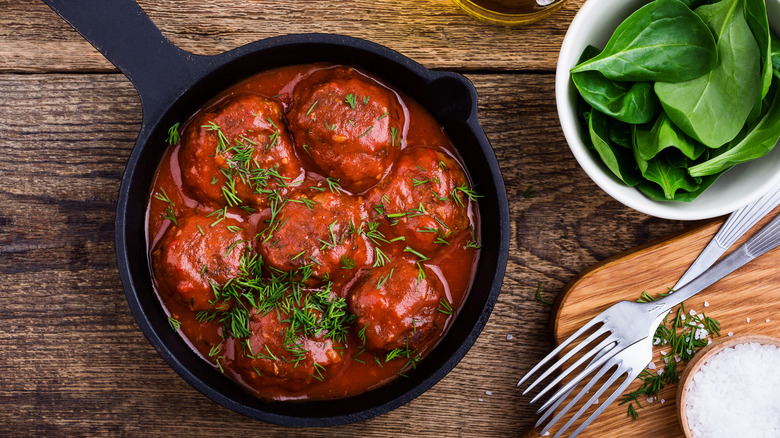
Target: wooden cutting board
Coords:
[(752, 291)]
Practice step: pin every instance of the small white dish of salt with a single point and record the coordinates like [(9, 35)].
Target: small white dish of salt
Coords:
[(732, 388)]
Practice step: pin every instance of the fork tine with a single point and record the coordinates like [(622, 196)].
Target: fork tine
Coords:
[(605, 346), (595, 335), (574, 400), (560, 347), (630, 378), (618, 372)]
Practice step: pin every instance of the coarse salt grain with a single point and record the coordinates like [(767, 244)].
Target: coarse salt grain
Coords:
[(735, 393), (767, 320), (488, 392), (480, 399), (663, 401), (651, 366), (706, 304), (731, 333), (692, 312), (747, 319), (509, 337)]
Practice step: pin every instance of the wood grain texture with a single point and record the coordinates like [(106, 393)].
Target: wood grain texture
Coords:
[(745, 302), (435, 33), (72, 360)]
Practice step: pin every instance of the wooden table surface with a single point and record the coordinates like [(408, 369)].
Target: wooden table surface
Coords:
[(72, 359)]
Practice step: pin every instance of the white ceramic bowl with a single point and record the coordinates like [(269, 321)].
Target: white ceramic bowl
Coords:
[(742, 184)]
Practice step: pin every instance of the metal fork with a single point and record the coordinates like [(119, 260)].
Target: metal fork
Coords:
[(625, 333), (737, 224)]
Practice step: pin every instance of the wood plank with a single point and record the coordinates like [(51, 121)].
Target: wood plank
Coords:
[(435, 33), (73, 361)]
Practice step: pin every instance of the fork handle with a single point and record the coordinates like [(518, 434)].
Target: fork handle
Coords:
[(764, 240)]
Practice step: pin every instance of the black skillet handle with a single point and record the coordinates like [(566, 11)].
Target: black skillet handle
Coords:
[(125, 35)]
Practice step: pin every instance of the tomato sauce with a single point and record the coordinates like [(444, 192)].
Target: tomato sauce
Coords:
[(312, 232)]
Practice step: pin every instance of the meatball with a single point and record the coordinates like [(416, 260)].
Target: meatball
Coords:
[(275, 355), (317, 229), (237, 153), (349, 125), (193, 255), (425, 199), (397, 305)]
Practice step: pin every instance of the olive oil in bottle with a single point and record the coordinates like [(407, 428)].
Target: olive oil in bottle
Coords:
[(510, 12)]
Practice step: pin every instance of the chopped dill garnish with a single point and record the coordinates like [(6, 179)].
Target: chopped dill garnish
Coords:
[(173, 134), (168, 213), (383, 279), (311, 108), (539, 295), (415, 252), (445, 307), (684, 334), (381, 257), (351, 100), (366, 132), (175, 323)]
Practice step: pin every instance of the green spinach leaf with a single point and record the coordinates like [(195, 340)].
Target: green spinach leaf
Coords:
[(654, 191), (621, 134), (618, 159), (669, 178), (662, 41), (627, 102), (664, 134), (757, 20), (624, 101), (758, 141), (713, 107)]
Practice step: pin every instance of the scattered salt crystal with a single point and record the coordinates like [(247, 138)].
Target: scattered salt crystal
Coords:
[(709, 341), (666, 360), (546, 433), (651, 366), (663, 353), (747, 319), (657, 341), (488, 392), (660, 371), (650, 399), (509, 337), (663, 401), (480, 399), (676, 357), (595, 402), (682, 316), (735, 393), (692, 312), (767, 320), (731, 333), (706, 304)]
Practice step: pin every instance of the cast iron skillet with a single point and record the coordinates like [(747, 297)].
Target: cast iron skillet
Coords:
[(173, 83)]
